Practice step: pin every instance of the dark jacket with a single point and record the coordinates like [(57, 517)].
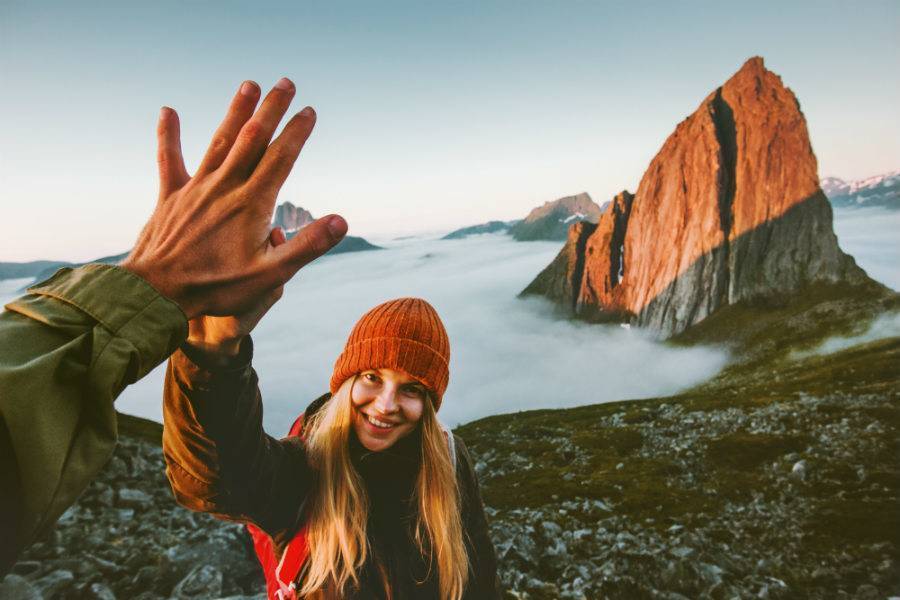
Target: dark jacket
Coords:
[(219, 460)]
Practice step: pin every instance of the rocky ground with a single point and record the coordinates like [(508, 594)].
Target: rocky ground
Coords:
[(652, 499), (126, 538), (780, 478), (733, 503)]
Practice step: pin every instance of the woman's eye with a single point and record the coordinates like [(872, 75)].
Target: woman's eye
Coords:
[(415, 392), (371, 377)]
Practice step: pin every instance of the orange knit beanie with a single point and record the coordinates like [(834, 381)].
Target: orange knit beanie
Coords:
[(405, 334)]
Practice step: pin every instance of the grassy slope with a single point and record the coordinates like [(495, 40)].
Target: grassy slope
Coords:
[(762, 339)]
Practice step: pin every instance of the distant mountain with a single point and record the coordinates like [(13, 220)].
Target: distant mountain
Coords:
[(294, 218), (489, 227), (13, 270), (52, 268), (291, 218), (552, 220), (880, 190), (728, 211), (352, 243)]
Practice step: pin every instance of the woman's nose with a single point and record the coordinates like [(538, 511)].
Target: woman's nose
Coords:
[(386, 401)]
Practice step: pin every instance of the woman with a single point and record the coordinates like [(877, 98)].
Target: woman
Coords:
[(373, 499)]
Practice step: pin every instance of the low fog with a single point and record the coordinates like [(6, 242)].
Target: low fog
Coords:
[(507, 354), (884, 326), (872, 237)]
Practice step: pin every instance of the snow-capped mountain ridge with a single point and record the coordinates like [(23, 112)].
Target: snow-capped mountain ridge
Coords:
[(879, 190)]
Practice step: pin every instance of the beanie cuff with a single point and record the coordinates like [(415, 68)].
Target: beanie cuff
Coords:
[(418, 360)]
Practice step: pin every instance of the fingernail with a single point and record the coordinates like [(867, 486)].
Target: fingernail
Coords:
[(337, 226), (308, 112), (248, 88), (164, 112), (284, 84)]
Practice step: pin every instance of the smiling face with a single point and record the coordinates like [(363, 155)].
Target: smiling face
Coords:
[(387, 405)]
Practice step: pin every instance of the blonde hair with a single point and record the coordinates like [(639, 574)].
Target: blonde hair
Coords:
[(339, 507)]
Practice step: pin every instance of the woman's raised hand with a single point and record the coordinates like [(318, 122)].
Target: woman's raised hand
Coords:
[(207, 246)]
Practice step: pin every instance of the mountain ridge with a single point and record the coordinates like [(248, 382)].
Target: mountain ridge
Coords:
[(881, 190)]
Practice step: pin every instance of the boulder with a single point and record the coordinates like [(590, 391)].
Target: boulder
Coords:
[(204, 581), (14, 586)]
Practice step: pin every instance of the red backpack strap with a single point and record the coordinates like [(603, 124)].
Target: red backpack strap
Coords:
[(297, 427), (281, 573)]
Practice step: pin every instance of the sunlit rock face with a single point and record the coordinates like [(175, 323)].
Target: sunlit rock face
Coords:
[(729, 209)]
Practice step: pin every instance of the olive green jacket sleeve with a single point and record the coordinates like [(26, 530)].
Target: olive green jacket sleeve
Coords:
[(67, 349)]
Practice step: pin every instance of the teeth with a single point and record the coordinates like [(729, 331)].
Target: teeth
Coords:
[(378, 423)]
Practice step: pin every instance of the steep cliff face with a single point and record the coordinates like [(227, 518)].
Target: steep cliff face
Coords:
[(604, 260), (729, 209), (551, 221), (561, 280)]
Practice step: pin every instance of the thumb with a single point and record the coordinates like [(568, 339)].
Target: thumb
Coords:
[(310, 243), (277, 237)]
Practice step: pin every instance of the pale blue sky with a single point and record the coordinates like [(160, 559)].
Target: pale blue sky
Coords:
[(431, 115)]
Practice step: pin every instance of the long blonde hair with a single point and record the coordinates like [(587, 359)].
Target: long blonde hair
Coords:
[(339, 509)]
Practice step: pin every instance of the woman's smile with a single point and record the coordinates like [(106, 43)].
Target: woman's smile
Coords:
[(388, 405), (378, 423)]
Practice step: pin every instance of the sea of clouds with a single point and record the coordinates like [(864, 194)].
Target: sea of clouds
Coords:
[(507, 354), (872, 237)]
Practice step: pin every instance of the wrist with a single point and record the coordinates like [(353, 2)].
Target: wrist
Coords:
[(211, 359), (216, 347), (168, 291)]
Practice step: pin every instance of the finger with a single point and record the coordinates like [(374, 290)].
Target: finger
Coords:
[(280, 156), (172, 174), (255, 134), (310, 243), (277, 237), (241, 109)]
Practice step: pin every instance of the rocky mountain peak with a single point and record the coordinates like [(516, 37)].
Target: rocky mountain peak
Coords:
[(569, 205), (728, 210), (551, 220), (291, 218), (753, 67)]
